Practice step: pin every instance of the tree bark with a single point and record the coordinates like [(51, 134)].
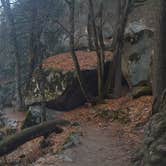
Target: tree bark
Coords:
[(36, 48), (114, 79), (100, 65), (90, 33), (159, 55), (32, 44), (71, 5), (10, 18), (11, 143), (101, 38)]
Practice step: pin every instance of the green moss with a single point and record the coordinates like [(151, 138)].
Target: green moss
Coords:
[(141, 91), (55, 84)]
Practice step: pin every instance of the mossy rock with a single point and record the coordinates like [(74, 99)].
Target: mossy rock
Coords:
[(32, 118), (61, 88), (72, 140), (154, 145), (141, 91), (55, 83)]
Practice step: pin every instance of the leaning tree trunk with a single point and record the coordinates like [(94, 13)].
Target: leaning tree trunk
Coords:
[(11, 143), (13, 36), (71, 5)]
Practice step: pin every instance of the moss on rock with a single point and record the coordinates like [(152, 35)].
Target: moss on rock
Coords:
[(32, 118), (55, 84), (141, 91)]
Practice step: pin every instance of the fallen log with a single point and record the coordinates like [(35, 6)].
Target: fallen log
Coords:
[(11, 143)]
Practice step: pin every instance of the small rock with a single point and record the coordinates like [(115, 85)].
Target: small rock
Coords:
[(64, 158), (33, 117), (10, 123), (75, 124), (73, 140)]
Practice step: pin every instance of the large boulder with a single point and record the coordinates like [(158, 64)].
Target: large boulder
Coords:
[(137, 56), (33, 117), (139, 43), (61, 87)]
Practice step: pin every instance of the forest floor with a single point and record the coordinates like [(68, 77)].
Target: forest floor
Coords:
[(104, 135)]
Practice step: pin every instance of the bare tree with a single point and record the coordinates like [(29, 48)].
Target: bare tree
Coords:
[(100, 30), (32, 42), (159, 58), (115, 74), (99, 52), (13, 35), (71, 4), (36, 48), (90, 33)]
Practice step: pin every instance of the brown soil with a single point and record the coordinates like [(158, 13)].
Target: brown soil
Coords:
[(99, 147), (104, 142)]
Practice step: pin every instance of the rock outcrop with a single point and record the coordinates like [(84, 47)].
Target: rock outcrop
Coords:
[(139, 43), (138, 49), (154, 148)]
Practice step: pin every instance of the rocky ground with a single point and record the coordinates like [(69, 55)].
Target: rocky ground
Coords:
[(103, 135)]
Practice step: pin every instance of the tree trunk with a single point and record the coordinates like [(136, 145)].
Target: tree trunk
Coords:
[(41, 83), (100, 65), (115, 77), (10, 18), (124, 11), (36, 51), (90, 33), (159, 56), (101, 39), (32, 44), (72, 47), (11, 143)]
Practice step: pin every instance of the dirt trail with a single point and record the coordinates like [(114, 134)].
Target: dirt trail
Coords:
[(99, 147), (105, 141)]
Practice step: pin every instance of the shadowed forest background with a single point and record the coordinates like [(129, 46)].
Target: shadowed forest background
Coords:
[(82, 82)]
